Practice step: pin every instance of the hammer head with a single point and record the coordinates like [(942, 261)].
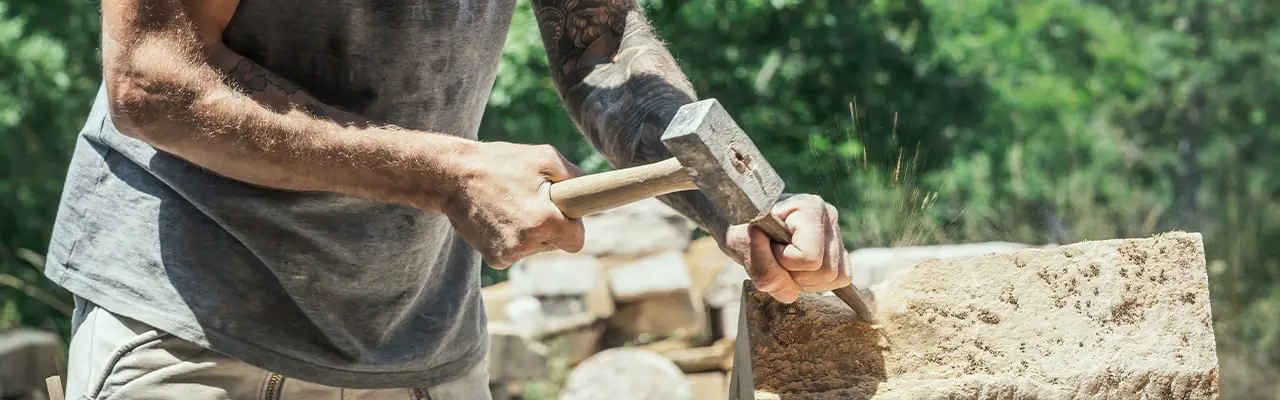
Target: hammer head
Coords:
[(723, 161)]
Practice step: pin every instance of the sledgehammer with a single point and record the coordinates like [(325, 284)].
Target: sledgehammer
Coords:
[(711, 154)]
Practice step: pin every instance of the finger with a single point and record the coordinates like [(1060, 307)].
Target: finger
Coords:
[(837, 256), (764, 270), (557, 168), (562, 232), (808, 238), (835, 272)]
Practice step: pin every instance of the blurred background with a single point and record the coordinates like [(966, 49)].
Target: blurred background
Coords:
[(924, 121)]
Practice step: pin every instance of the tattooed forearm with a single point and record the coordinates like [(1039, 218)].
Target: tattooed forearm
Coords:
[(620, 85)]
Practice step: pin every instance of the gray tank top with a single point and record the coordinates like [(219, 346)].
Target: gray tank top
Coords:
[(316, 286)]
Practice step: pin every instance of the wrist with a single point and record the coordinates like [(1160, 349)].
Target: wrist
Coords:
[(424, 170)]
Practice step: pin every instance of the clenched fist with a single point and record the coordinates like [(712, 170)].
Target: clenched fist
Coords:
[(814, 261), (503, 205)]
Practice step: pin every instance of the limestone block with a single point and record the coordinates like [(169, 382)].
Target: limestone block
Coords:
[(726, 288), (871, 265), (640, 228), (555, 273), (705, 260), (627, 374), (724, 298), (524, 312), (701, 359), (727, 321), (577, 344), (670, 314), (709, 385), (656, 276), (600, 298), (513, 355), (27, 357), (1125, 318), (564, 313), (496, 298)]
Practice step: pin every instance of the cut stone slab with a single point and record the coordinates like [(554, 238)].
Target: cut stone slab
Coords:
[(872, 265), (600, 298), (627, 374), (564, 313), (27, 357), (524, 312), (726, 288), (724, 299), (656, 276), (705, 260), (709, 385), (555, 273), (726, 321), (673, 314), (578, 344), (701, 359), (642, 228), (1112, 319), (496, 298), (513, 355)]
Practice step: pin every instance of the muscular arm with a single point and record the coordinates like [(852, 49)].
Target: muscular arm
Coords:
[(621, 87), (173, 84)]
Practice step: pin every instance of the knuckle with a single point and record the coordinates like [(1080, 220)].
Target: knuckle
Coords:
[(549, 153), (811, 259), (811, 198), (831, 273)]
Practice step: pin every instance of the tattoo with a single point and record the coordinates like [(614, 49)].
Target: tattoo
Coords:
[(621, 87), (254, 78)]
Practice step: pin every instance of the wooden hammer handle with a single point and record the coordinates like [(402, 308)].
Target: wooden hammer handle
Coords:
[(590, 194), (778, 231)]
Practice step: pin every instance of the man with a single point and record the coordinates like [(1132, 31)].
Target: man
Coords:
[(286, 198)]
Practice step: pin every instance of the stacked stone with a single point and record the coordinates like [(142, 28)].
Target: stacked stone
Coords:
[(640, 283)]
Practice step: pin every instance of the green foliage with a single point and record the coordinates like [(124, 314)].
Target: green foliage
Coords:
[(924, 121), (48, 72)]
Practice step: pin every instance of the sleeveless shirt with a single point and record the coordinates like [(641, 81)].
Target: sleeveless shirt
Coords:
[(321, 287)]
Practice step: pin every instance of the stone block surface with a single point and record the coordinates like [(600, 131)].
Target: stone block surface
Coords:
[(657, 276), (709, 385), (564, 313), (514, 355), (627, 374), (872, 265), (1125, 318), (641, 228), (496, 298), (670, 314), (555, 273), (701, 359)]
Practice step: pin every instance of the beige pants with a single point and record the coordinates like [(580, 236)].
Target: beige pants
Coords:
[(117, 358)]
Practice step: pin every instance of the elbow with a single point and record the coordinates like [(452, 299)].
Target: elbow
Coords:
[(148, 107), (134, 111)]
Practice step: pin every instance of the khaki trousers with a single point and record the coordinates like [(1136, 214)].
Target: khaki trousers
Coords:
[(113, 357)]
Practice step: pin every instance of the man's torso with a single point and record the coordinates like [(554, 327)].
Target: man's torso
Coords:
[(320, 286)]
